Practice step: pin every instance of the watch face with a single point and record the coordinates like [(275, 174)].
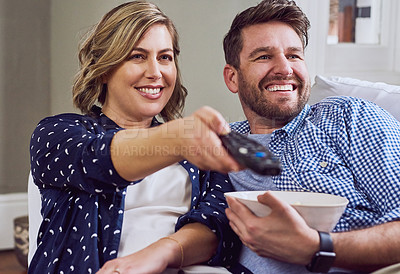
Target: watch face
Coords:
[(322, 261)]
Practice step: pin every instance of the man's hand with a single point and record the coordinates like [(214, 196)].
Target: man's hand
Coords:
[(277, 235)]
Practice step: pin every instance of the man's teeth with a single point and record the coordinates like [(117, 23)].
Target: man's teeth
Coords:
[(280, 88), (150, 90)]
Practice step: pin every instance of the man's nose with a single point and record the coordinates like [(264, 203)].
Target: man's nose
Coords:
[(283, 66)]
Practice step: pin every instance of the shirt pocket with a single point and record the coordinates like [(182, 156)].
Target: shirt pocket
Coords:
[(322, 163)]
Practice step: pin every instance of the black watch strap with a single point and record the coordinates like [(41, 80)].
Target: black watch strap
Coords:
[(325, 242), (324, 258)]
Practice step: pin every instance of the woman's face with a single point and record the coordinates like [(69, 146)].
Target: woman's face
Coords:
[(141, 86)]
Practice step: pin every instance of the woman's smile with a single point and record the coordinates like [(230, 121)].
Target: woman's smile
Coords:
[(150, 92)]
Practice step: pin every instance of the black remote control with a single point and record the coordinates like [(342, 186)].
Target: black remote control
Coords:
[(251, 154)]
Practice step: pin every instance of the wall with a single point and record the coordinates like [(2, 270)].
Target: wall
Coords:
[(24, 84), (24, 99), (371, 62), (69, 22)]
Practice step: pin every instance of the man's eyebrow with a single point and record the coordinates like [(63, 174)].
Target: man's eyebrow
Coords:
[(295, 49), (259, 50)]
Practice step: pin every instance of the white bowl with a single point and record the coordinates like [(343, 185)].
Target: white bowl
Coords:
[(321, 211)]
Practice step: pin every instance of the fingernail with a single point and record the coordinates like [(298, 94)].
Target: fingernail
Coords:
[(226, 129)]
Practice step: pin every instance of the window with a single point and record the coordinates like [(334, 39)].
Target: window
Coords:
[(354, 21), (371, 52)]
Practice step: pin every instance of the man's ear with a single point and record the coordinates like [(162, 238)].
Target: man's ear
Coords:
[(231, 78)]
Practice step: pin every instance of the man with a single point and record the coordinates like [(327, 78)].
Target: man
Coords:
[(343, 146)]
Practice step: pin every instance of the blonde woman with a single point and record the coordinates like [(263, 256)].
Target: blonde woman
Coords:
[(121, 191)]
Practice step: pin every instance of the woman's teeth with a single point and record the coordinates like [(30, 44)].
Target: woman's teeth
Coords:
[(280, 88), (150, 90)]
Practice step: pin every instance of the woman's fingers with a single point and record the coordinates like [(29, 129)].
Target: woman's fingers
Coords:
[(213, 119), (205, 148)]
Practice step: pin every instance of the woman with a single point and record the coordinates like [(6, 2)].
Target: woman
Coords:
[(115, 181)]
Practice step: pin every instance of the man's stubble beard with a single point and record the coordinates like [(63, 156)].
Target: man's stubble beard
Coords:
[(253, 98)]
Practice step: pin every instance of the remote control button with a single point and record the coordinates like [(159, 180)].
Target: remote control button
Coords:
[(251, 154), (260, 154)]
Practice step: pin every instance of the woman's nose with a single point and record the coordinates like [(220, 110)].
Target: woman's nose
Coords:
[(153, 70)]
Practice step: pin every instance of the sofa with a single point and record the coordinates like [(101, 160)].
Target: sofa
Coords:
[(384, 95)]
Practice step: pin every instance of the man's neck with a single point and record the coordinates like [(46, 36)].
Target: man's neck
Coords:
[(260, 125)]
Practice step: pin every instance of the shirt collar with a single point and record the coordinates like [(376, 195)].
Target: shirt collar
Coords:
[(290, 128)]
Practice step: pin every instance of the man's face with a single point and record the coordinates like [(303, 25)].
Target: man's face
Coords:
[(273, 80)]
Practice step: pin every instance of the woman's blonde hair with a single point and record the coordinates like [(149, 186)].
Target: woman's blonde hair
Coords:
[(110, 43)]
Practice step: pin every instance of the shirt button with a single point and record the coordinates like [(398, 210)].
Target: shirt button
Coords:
[(323, 164)]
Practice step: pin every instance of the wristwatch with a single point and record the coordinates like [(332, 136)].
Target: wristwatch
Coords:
[(324, 258)]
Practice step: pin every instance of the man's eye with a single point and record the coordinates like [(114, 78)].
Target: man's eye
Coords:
[(264, 57), (293, 57)]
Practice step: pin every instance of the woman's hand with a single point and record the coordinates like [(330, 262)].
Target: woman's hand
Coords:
[(137, 153), (153, 259), (200, 142)]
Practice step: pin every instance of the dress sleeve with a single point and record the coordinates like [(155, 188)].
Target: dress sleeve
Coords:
[(210, 211), (73, 150)]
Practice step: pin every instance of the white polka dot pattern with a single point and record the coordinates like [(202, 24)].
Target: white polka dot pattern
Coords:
[(83, 196)]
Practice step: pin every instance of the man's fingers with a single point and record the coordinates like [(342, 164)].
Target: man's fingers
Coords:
[(270, 200), (238, 207), (277, 205)]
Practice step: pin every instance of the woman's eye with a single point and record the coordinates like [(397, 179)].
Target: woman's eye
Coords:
[(136, 56), (166, 57)]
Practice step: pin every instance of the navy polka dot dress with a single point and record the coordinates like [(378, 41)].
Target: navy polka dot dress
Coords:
[(83, 196)]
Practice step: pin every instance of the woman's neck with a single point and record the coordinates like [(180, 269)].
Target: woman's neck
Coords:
[(127, 122)]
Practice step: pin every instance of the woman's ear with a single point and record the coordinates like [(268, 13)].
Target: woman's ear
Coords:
[(104, 78), (231, 78)]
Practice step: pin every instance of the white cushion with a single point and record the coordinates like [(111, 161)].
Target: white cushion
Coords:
[(35, 217), (385, 95)]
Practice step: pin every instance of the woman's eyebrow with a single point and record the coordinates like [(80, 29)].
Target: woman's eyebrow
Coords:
[(146, 51)]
